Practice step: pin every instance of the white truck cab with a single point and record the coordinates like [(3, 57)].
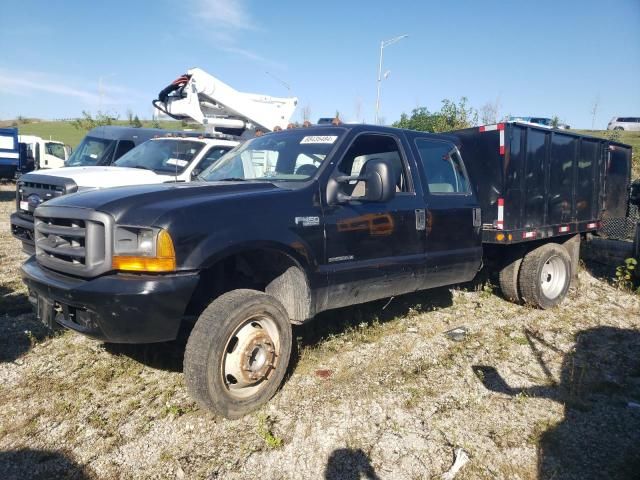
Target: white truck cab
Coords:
[(45, 153), (159, 160)]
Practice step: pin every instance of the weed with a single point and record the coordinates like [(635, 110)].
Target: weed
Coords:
[(625, 274), (265, 425), (177, 410)]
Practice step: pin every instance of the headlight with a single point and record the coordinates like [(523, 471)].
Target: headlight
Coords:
[(138, 249)]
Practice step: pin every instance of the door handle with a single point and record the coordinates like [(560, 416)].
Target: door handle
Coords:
[(421, 219)]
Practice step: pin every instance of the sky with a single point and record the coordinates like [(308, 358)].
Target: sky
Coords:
[(541, 58)]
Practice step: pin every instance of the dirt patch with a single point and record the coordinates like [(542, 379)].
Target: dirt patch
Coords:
[(526, 393)]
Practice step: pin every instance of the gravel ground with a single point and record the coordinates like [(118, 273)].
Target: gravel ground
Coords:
[(375, 391)]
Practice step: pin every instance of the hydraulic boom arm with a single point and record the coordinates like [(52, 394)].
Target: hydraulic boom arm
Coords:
[(200, 97)]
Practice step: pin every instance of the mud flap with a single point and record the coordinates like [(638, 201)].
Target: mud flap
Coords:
[(45, 312)]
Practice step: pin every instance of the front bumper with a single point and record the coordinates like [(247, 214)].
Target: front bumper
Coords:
[(118, 308), (22, 229)]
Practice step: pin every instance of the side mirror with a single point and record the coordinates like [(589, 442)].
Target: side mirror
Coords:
[(378, 176), (634, 193), (195, 172)]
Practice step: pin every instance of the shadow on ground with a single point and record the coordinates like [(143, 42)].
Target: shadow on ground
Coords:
[(599, 387), (18, 335), (40, 465), (349, 464), (12, 303), (168, 356), (7, 195)]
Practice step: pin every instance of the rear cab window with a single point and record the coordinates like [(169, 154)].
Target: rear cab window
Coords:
[(442, 166)]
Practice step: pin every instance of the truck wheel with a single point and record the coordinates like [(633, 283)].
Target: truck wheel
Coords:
[(508, 278), (545, 275), (237, 353)]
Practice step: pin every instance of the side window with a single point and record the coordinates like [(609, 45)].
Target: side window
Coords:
[(365, 148), (55, 149), (211, 156), (442, 166), (123, 147)]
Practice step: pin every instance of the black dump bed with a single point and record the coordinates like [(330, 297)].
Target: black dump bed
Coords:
[(534, 182)]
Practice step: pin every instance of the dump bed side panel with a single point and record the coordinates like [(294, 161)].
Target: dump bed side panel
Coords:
[(617, 180), (562, 169), (535, 183)]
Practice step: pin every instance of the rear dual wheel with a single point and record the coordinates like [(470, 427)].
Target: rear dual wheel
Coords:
[(545, 276), (238, 352)]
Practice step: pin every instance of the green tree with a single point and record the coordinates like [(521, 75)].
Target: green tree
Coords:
[(87, 121), (136, 123), (451, 116), (555, 121)]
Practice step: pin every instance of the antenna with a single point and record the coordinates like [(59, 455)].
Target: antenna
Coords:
[(279, 80)]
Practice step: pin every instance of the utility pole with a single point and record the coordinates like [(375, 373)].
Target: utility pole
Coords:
[(384, 43)]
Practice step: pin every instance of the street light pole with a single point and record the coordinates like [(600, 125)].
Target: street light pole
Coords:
[(384, 43)]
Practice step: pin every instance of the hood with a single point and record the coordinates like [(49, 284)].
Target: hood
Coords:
[(143, 204), (106, 177)]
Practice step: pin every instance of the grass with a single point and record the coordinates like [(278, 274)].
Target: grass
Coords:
[(65, 132)]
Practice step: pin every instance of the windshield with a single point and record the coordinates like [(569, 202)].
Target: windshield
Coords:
[(166, 155), (91, 151), (293, 155)]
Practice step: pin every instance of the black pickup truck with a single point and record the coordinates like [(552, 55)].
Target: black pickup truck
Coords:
[(296, 222)]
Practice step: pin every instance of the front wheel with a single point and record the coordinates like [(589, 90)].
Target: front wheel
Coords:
[(238, 352), (545, 276)]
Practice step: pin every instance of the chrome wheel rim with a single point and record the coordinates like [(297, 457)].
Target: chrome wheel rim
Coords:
[(553, 277), (250, 356)]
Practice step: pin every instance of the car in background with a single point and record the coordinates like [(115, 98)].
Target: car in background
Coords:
[(631, 124), (45, 153), (539, 121), (104, 145)]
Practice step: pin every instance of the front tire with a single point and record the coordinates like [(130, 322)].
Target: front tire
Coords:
[(238, 352), (545, 276)]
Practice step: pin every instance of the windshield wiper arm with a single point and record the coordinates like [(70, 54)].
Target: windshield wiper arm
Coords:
[(230, 179)]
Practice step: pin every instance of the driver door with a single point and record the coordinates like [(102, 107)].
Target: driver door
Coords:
[(373, 249)]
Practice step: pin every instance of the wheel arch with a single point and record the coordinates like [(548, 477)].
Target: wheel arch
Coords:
[(279, 270)]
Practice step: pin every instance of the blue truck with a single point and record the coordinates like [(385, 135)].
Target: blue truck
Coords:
[(9, 152)]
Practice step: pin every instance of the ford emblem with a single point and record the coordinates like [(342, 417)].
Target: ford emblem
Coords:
[(34, 200)]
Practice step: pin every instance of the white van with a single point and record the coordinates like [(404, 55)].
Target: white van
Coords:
[(631, 124)]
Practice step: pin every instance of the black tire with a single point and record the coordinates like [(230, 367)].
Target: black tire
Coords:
[(545, 276), (618, 128), (228, 333), (508, 278)]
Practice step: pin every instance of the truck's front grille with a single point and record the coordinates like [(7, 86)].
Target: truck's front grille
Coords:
[(63, 239), (32, 189), (71, 240)]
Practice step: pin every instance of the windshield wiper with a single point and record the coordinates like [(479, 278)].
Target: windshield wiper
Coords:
[(230, 179), (141, 167)]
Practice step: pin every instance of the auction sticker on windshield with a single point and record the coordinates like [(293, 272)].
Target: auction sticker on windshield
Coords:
[(177, 161), (319, 139)]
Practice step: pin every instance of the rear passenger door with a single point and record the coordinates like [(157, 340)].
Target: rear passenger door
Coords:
[(453, 222)]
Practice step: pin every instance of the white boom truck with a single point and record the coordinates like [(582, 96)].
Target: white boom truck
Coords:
[(200, 97)]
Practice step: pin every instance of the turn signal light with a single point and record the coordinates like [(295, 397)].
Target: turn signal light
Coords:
[(163, 261)]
